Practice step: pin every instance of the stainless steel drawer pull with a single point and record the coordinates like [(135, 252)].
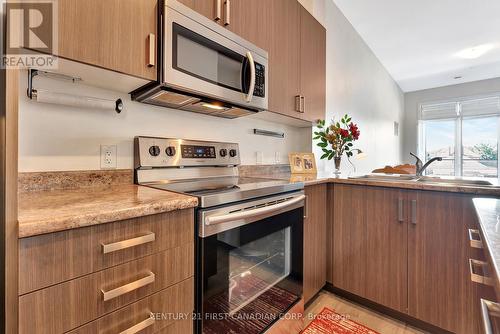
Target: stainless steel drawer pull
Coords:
[(489, 308), (475, 239), (298, 103), (218, 10), (400, 210), (227, 16), (414, 211), (140, 326), (306, 207), (151, 50), (111, 294), (116, 246), (478, 278)]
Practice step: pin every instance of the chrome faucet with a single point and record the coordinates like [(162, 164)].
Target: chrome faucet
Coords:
[(420, 166)]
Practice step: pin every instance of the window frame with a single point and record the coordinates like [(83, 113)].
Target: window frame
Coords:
[(458, 163)]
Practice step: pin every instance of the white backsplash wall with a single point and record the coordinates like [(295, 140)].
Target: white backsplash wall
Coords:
[(56, 138)]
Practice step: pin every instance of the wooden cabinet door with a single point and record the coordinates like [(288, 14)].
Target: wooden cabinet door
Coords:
[(314, 240), (312, 67), (275, 27), (440, 290), (251, 20), (212, 9), (112, 34), (386, 248), (349, 239), (284, 57)]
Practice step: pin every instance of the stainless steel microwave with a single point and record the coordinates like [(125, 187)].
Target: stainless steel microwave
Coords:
[(206, 68)]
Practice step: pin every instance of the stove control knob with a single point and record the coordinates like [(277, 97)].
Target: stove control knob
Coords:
[(170, 151), (223, 152), (154, 151), (233, 153)]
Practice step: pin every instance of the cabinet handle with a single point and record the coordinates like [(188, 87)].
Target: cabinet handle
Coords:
[(151, 50), (306, 206), (116, 246), (400, 210), (303, 110), (414, 211), (218, 10), (475, 239), (487, 308), (140, 326), (111, 294), (298, 103), (227, 15), (478, 278)]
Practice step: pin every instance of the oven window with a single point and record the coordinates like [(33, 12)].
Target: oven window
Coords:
[(253, 273), (204, 59)]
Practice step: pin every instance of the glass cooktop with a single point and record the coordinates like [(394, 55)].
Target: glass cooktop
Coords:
[(223, 190)]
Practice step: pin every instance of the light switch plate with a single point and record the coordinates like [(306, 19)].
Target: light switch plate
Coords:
[(108, 156), (396, 129)]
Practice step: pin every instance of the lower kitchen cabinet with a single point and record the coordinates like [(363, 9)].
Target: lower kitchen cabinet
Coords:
[(386, 253), (440, 289), (314, 240), (369, 244), (349, 239), (406, 250)]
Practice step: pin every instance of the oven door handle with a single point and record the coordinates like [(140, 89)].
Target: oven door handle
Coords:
[(252, 77), (213, 220)]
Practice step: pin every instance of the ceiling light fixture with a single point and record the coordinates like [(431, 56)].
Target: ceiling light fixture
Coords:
[(476, 51)]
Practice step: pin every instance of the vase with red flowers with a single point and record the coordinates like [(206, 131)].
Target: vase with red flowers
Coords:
[(336, 139)]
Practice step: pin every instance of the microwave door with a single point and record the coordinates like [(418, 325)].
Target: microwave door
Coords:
[(248, 77)]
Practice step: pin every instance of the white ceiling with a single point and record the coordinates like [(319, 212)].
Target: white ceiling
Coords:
[(418, 40)]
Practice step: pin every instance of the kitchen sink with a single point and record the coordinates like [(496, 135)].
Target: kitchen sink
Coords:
[(459, 182), (383, 177)]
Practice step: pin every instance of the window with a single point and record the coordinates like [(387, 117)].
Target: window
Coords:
[(464, 133)]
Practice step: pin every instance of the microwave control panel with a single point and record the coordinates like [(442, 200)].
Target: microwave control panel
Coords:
[(260, 80)]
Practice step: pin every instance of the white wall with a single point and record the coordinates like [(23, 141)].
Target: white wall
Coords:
[(358, 84), (53, 137), (413, 99)]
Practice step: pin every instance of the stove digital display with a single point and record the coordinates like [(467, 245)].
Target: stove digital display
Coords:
[(196, 152)]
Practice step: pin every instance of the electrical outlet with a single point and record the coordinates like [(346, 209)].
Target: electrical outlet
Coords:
[(108, 156)]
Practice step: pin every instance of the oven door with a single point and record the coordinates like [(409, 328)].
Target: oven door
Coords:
[(205, 59), (249, 265)]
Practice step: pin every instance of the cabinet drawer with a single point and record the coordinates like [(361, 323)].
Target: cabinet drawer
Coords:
[(71, 304), (166, 305), (49, 259)]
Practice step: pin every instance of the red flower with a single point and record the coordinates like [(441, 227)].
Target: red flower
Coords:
[(353, 128), (344, 133)]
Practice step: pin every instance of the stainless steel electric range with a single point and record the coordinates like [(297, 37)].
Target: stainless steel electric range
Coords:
[(248, 232)]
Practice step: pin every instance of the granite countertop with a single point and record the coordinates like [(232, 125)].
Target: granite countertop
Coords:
[(488, 212), (324, 177), (56, 210)]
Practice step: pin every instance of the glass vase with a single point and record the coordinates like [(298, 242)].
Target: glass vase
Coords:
[(337, 161)]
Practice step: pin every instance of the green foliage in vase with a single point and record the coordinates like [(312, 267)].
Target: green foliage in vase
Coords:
[(336, 138)]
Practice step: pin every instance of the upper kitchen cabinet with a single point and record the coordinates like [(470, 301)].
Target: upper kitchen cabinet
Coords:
[(312, 68), (275, 27), (119, 35), (209, 8)]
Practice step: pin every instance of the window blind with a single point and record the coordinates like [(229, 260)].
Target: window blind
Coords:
[(481, 107), (487, 106), (438, 111)]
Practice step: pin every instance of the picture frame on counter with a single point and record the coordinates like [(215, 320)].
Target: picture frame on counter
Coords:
[(302, 163)]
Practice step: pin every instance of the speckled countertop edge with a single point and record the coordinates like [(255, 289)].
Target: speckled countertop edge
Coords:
[(48, 211)]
